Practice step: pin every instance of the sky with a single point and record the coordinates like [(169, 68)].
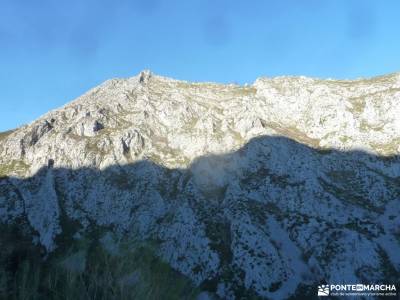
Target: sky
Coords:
[(52, 51)]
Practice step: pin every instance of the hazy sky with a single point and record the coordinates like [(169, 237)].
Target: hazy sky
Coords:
[(53, 51)]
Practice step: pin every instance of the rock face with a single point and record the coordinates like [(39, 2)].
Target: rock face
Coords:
[(260, 190)]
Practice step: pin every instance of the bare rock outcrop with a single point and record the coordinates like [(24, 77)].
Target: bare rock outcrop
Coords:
[(255, 190)]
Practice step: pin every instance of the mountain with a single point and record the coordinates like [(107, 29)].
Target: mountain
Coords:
[(237, 192)]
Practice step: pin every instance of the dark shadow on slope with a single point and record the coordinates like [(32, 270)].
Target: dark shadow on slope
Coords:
[(340, 209)]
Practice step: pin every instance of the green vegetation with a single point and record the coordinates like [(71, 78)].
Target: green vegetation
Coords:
[(5, 134), (14, 166), (244, 91), (366, 127), (345, 139), (346, 186), (387, 149), (387, 268), (306, 292), (359, 104), (87, 269)]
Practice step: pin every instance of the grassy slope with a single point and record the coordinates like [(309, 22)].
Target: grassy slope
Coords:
[(85, 270)]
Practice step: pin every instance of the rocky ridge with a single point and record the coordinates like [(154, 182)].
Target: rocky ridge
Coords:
[(258, 190)]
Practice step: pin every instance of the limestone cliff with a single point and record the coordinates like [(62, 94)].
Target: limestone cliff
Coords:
[(259, 190)]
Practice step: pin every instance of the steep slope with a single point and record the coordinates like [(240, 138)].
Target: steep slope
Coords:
[(259, 190), (172, 122)]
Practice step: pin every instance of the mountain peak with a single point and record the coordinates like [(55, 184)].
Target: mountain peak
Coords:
[(177, 121), (144, 76), (244, 190)]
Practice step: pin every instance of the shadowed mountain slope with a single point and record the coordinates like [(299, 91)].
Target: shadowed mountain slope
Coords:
[(256, 191), (271, 219)]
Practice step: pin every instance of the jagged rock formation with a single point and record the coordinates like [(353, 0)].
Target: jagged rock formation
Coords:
[(257, 190)]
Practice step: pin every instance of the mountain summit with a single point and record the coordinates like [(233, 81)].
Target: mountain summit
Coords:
[(172, 122), (263, 190)]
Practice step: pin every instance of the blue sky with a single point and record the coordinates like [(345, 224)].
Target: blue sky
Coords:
[(53, 51)]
